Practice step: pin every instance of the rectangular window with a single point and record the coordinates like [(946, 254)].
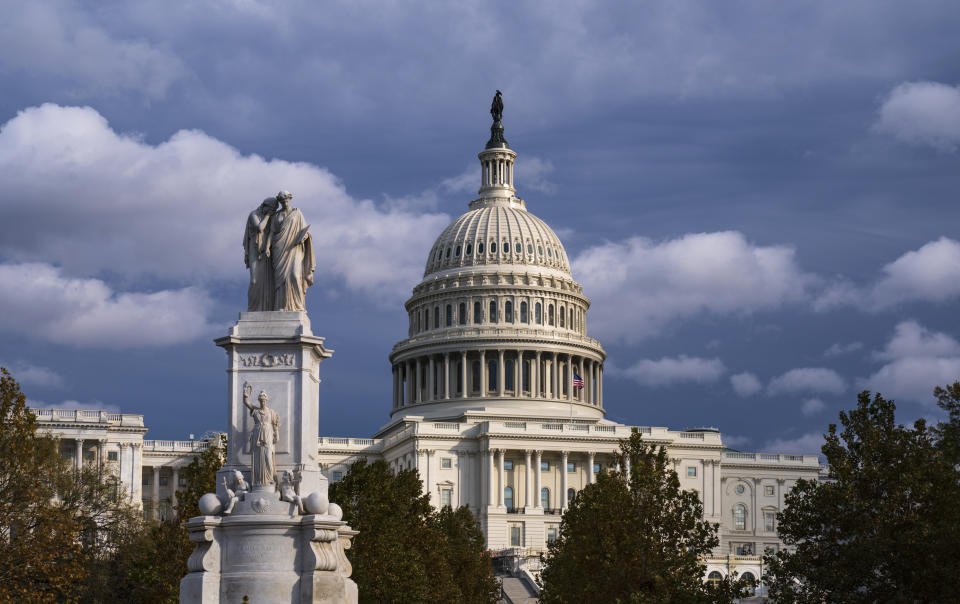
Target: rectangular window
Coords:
[(596, 468), (691, 471), (446, 463), (182, 482), (337, 476), (545, 466), (571, 466), (515, 536), (163, 481), (744, 549), (88, 455), (146, 480), (768, 491), (507, 464), (66, 453), (113, 455), (769, 521), (446, 495), (551, 534)]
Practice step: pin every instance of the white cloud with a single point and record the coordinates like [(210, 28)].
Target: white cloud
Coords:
[(93, 201), (37, 300), (929, 274), (922, 113), (29, 374), (807, 379), (531, 174), (839, 349), (735, 441), (917, 361), (812, 406), (745, 384), (72, 404), (668, 371), (638, 285), (807, 444)]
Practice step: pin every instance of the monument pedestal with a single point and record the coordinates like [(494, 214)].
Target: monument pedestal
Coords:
[(264, 547)]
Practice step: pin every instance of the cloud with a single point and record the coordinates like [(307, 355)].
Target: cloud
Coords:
[(531, 174), (807, 379), (639, 286), (72, 404), (732, 440), (917, 361), (93, 201), (928, 274), (922, 113), (839, 349), (668, 371), (29, 374), (37, 300), (745, 384), (812, 406), (807, 444)]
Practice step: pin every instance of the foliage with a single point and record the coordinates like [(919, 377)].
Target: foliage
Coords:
[(884, 525), (405, 551), (634, 539)]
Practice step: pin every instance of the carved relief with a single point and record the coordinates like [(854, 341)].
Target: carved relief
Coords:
[(268, 360), (206, 556)]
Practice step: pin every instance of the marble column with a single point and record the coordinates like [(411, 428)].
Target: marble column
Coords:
[(446, 376), (432, 384), (528, 478), (463, 374), (491, 484), (626, 463), (591, 477), (563, 479), (100, 446), (136, 477), (538, 467), (394, 372), (155, 500), (501, 476), (600, 387), (173, 489), (410, 381), (535, 380), (570, 388), (121, 466), (419, 382), (79, 454), (501, 377), (483, 373)]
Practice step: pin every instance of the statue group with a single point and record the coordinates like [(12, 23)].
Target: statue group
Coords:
[(278, 250)]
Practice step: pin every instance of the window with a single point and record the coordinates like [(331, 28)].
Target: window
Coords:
[(596, 468), (446, 495), (448, 252), (88, 455), (743, 549), (439, 255), (768, 490), (739, 517), (113, 455), (337, 476), (571, 466), (714, 578), (469, 249), (491, 375), (550, 314), (537, 315), (571, 319), (463, 314), (493, 247), (508, 497), (769, 521), (493, 311), (68, 453), (523, 312), (544, 466), (480, 248), (457, 252), (540, 250), (529, 249), (506, 247), (507, 464), (145, 481), (571, 493), (163, 481), (551, 534), (562, 315), (545, 498), (446, 463), (739, 489), (477, 312), (549, 254), (749, 575), (436, 317), (515, 536), (476, 376), (449, 315), (691, 471), (426, 319), (181, 482), (508, 311)]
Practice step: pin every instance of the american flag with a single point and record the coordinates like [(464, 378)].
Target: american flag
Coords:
[(577, 381)]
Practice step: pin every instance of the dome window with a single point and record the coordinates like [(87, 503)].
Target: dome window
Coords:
[(517, 248), (523, 312), (537, 314), (477, 313), (457, 252), (493, 311), (469, 249), (506, 247), (439, 254), (550, 314), (449, 315), (480, 248), (448, 252), (562, 315), (530, 249), (549, 255), (493, 247), (508, 311), (540, 250), (462, 314), (436, 317)]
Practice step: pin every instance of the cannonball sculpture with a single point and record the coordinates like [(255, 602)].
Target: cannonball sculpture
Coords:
[(335, 511), (210, 504), (316, 503)]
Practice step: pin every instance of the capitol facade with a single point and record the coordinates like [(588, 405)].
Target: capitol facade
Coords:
[(497, 400)]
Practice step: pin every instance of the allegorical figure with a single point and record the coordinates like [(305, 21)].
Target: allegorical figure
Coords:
[(256, 238), (263, 439), (291, 253), (496, 107)]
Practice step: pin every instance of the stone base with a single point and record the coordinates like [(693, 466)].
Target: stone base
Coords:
[(265, 551)]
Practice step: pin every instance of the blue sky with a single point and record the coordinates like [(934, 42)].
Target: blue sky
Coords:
[(760, 199)]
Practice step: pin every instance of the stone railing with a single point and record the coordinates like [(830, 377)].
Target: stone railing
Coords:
[(88, 416), (175, 446), (358, 444), (773, 458), (442, 334)]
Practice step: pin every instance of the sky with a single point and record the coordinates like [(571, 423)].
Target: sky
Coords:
[(760, 199)]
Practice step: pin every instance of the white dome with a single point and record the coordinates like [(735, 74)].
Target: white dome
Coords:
[(493, 233)]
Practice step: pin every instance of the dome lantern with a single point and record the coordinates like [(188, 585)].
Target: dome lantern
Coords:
[(496, 160)]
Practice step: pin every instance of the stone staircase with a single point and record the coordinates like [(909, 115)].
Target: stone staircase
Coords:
[(518, 591)]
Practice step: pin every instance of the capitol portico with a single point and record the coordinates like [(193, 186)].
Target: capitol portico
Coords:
[(497, 399)]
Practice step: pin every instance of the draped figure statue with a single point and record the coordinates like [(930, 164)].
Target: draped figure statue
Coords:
[(256, 237), (263, 440), (291, 252)]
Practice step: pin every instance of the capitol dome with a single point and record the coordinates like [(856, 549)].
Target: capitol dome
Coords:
[(498, 325)]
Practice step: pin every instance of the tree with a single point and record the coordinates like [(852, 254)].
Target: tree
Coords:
[(884, 525), (634, 539), (406, 552)]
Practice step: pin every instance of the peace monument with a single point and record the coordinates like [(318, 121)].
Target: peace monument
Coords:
[(270, 532)]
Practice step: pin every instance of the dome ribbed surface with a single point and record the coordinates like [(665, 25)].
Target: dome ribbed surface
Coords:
[(477, 238)]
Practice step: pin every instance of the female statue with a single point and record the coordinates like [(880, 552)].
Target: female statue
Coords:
[(263, 439), (291, 250), (256, 256)]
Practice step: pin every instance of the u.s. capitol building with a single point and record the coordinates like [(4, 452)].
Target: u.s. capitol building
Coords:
[(497, 399)]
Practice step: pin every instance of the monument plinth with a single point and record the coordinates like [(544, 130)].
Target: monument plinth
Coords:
[(269, 532)]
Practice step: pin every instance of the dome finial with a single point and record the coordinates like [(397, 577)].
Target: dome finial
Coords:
[(496, 130)]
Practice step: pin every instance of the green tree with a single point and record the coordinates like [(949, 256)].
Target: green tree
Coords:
[(634, 539), (406, 552), (884, 525)]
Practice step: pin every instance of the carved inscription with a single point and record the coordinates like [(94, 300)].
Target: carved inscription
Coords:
[(268, 360)]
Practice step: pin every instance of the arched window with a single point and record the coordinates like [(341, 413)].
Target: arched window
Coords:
[(506, 247), (493, 311), (740, 517), (550, 314), (436, 317), (449, 315), (477, 312), (475, 378), (463, 314), (469, 249), (523, 312), (549, 255), (571, 493), (714, 578), (493, 247), (426, 319), (508, 311), (418, 320), (563, 313), (539, 250), (517, 248), (537, 314), (508, 371), (480, 248), (529, 249), (439, 254), (491, 375), (545, 498), (448, 252), (749, 576), (571, 319), (457, 252), (508, 497)]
